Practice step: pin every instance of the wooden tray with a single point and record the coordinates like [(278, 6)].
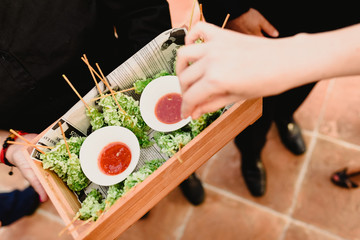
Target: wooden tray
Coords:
[(140, 199)]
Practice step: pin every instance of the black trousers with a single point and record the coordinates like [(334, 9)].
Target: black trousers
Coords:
[(251, 141), (16, 204)]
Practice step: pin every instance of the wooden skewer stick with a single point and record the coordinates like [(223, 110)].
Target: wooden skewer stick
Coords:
[(82, 224), (201, 13), (76, 217), (105, 82), (91, 68), (73, 88), (177, 157), (30, 145), (63, 134), (111, 90), (192, 14), (24, 139), (93, 76), (225, 21), (106, 95)]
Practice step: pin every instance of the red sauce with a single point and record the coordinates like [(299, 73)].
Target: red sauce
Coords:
[(168, 108), (114, 158)]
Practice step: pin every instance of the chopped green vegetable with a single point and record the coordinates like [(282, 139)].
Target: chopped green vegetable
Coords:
[(68, 170), (114, 192), (131, 119), (140, 175), (202, 122), (96, 118), (76, 178), (92, 206), (170, 143), (140, 85)]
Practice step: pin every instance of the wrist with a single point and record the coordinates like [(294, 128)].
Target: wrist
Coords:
[(7, 149)]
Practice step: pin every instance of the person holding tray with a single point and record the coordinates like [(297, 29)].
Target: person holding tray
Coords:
[(244, 67), (40, 41)]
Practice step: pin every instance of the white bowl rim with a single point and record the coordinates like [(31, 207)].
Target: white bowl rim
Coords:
[(95, 142), (149, 98)]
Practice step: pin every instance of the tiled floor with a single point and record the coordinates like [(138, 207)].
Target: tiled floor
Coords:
[(300, 204)]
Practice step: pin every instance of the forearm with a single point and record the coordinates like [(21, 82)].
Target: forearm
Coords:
[(320, 56)]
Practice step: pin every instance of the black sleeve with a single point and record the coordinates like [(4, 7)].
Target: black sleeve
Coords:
[(215, 11), (139, 21)]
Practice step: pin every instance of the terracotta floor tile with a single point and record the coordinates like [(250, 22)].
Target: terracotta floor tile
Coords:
[(222, 218), (49, 207), (296, 232), (342, 116), (282, 169), (35, 227), (323, 204), (308, 113), (15, 181), (163, 221)]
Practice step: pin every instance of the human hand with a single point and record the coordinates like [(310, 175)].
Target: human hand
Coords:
[(227, 67), (16, 156), (253, 23)]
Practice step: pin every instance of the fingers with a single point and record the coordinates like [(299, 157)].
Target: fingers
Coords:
[(191, 74), (268, 28), (201, 30), (187, 55), (199, 92), (35, 183), (21, 162), (213, 104)]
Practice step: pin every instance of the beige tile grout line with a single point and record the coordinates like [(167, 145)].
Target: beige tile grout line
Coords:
[(50, 216), (251, 203), (181, 229), (304, 168), (339, 142)]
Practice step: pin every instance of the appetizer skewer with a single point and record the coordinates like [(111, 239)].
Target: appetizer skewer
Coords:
[(77, 93), (92, 75), (29, 145), (24, 139)]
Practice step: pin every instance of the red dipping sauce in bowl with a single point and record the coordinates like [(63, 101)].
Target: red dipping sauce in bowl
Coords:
[(160, 104), (109, 155), (114, 158), (168, 108)]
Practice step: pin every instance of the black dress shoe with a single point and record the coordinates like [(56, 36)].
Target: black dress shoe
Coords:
[(193, 190), (290, 135), (254, 175), (145, 215)]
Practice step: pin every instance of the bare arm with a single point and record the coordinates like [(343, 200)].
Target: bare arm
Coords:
[(230, 66)]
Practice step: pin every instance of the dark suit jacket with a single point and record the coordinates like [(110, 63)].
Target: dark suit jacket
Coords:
[(41, 40)]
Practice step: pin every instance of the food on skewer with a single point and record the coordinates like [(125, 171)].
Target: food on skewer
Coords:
[(197, 125), (94, 204), (68, 169), (96, 118), (171, 142), (131, 119), (139, 85)]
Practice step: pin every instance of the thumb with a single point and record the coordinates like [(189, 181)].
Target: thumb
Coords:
[(201, 30), (269, 29)]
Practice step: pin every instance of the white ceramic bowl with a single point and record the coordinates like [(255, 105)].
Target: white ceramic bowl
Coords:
[(150, 96), (93, 145)]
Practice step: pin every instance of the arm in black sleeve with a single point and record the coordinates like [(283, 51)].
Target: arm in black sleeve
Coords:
[(138, 22), (215, 11)]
